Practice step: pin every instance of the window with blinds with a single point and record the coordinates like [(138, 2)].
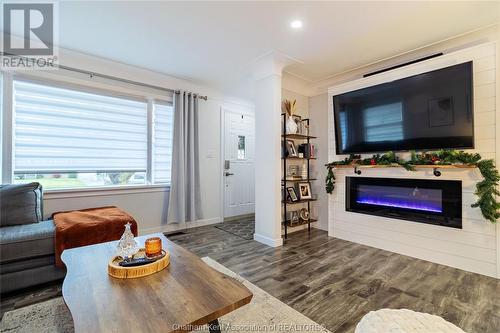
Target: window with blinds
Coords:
[(384, 122), (71, 138), (162, 143)]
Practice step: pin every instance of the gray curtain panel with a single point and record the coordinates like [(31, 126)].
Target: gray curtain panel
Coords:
[(185, 198)]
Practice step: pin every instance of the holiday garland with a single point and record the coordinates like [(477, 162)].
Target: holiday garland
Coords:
[(486, 190)]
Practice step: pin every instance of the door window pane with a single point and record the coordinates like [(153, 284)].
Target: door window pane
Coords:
[(241, 147)]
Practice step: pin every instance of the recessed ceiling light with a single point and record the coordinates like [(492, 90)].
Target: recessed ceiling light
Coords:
[(296, 24)]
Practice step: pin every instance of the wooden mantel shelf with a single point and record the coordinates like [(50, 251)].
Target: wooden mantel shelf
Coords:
[(424, 166)]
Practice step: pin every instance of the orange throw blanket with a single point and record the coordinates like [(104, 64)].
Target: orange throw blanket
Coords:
[(89, 226)]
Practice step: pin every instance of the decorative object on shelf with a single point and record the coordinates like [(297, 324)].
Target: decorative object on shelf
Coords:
[(304, 171), (153, 247), (305, 128), (307, 149), (294, 217), (290, 148), (293, 170), (305, 191), (300, 128), (486, 190), (298, 122), (304, 214), (138, 265), (292, 194), (127, 246), (289, 107)]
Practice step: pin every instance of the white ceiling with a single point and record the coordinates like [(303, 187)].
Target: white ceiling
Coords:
[(214, 42)]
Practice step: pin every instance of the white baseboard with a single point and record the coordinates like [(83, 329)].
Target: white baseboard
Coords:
[(268, 241), (179, 226)]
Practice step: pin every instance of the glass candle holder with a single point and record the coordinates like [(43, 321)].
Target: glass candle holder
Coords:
[(153, 247)]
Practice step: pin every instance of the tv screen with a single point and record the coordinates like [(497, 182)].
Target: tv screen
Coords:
[(428, 111)]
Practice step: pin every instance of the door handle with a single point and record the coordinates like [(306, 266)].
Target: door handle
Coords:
[(229, 174)]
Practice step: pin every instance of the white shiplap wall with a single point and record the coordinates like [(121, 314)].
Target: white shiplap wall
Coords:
[(473, 248)]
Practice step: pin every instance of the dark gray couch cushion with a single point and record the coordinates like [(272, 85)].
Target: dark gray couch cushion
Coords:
[(21, 265), (26, 241), (20, 204), (13, 281)]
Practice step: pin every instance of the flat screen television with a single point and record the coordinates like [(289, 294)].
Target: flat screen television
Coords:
[(428, 111)]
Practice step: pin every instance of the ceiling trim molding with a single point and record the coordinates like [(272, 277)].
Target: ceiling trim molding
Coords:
[(299, 76), (272, 63), (393, 57)]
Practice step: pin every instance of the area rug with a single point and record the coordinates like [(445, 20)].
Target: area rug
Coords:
[(265, 313), (243, 228), (404, 320)]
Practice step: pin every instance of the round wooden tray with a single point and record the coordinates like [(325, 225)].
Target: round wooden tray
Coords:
[(117, 271)]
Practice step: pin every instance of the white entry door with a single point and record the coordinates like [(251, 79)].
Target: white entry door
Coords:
[(239, 172)]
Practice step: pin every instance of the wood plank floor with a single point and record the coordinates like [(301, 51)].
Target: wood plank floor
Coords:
[(335, 282)]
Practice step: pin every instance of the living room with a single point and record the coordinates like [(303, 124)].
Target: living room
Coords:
[(250, 166)]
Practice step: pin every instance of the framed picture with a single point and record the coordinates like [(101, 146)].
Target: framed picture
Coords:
[(294, 217), (441, 112), (291, 149), (293, 170), (292, 194), (298, 121), (305, 191)]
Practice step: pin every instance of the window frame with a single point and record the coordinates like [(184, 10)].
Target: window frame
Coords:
[(101, 87)]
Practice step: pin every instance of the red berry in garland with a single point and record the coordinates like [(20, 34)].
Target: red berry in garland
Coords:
[(373, 162)]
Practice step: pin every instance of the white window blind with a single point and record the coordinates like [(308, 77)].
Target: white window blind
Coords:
[(384, 122), (63, 130), (343, 128), (162, 143)]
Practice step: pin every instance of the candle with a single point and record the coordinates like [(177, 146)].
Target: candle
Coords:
[(153, 247)]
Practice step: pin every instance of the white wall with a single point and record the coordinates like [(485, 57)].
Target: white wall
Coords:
[(149, 205), (473, 248), (318, 105)]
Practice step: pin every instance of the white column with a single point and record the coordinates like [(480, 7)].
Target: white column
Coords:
[(268, 148)]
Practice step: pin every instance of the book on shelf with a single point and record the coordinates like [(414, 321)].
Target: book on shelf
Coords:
[(307, 149)]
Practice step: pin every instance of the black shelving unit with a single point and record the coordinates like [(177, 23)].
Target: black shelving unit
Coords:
[(286, 202)]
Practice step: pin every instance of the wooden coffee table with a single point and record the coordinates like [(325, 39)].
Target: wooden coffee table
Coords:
[(184, 295)]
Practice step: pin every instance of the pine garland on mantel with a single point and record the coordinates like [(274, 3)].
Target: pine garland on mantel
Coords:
[(486, 190)]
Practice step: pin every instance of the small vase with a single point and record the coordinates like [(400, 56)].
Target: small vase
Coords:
[(127, 246), (291, 126)]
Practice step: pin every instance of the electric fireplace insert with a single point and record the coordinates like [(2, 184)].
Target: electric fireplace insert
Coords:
[(428, 201)]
